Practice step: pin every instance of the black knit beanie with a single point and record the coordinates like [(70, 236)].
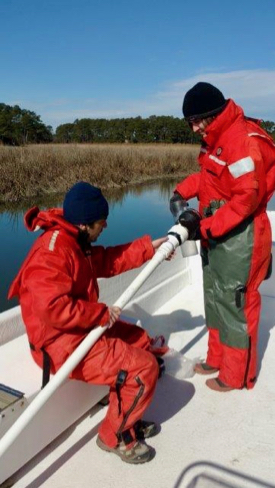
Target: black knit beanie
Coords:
[(202, 101), (84, 204)]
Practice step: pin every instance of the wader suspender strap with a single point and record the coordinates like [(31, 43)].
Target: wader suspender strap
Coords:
[(46, 366)]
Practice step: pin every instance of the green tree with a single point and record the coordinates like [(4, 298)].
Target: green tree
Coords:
[(19, 126), (65, 133), (157, 129), (269, 127)]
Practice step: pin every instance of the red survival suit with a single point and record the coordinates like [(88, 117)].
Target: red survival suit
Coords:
[(236, 180), (58, 293)]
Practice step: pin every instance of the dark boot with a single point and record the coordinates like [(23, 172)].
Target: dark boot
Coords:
[(137, 454), (145, 429)]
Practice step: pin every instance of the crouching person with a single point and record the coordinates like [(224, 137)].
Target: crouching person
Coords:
[(58, 293)]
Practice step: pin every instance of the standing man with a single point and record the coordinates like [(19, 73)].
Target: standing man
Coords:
[(58, 293), (235, 182)]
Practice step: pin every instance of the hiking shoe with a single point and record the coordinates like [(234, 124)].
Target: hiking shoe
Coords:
[(217, 385), (145, 429), (204, 368), (137, 454)]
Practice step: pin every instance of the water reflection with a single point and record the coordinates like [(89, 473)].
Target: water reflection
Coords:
[(134, 211), (114, 196)]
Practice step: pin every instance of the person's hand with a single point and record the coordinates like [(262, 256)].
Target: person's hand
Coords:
[(171, 256), (157, 243), (114, 313)]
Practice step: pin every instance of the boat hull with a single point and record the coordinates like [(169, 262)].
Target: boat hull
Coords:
[(74, 398)]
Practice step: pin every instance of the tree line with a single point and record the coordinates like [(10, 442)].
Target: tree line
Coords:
[(165, 129), (19, 127)]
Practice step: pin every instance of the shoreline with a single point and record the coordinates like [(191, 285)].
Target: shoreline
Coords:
[(52, 199), (47, 171)]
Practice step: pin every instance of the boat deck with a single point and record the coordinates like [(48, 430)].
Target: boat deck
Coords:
[(206, 438)]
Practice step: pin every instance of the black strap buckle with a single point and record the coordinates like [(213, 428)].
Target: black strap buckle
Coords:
[(120, 380), (46, 365), (46, 368), (161, 364), (239, 292)]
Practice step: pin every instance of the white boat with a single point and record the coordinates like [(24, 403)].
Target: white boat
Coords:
[(207, 439)]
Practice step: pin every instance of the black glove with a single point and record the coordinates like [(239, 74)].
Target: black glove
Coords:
[(197, 236), (190, 219), (177, 206)]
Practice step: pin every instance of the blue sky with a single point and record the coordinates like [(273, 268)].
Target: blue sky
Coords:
[(68, 59)]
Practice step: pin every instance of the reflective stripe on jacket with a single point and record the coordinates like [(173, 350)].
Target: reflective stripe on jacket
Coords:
[(237, 163), (57, 283)]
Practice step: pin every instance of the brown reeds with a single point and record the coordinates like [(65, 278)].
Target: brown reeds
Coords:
[(37, 170)]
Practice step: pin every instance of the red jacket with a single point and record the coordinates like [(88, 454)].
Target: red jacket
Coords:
[(237, 162), (57, 283)]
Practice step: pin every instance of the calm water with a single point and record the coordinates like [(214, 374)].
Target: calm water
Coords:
[(133, 213)]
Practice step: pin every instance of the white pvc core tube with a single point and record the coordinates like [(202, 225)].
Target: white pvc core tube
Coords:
[(78, 354)]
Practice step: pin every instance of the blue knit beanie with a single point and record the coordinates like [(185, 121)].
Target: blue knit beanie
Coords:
[(84, 204)]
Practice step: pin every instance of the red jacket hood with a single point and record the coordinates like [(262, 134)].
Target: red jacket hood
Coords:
[(222, 122), (231, 114), (36, 219)]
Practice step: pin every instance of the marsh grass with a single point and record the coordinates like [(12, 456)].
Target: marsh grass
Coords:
[(42, 170)]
